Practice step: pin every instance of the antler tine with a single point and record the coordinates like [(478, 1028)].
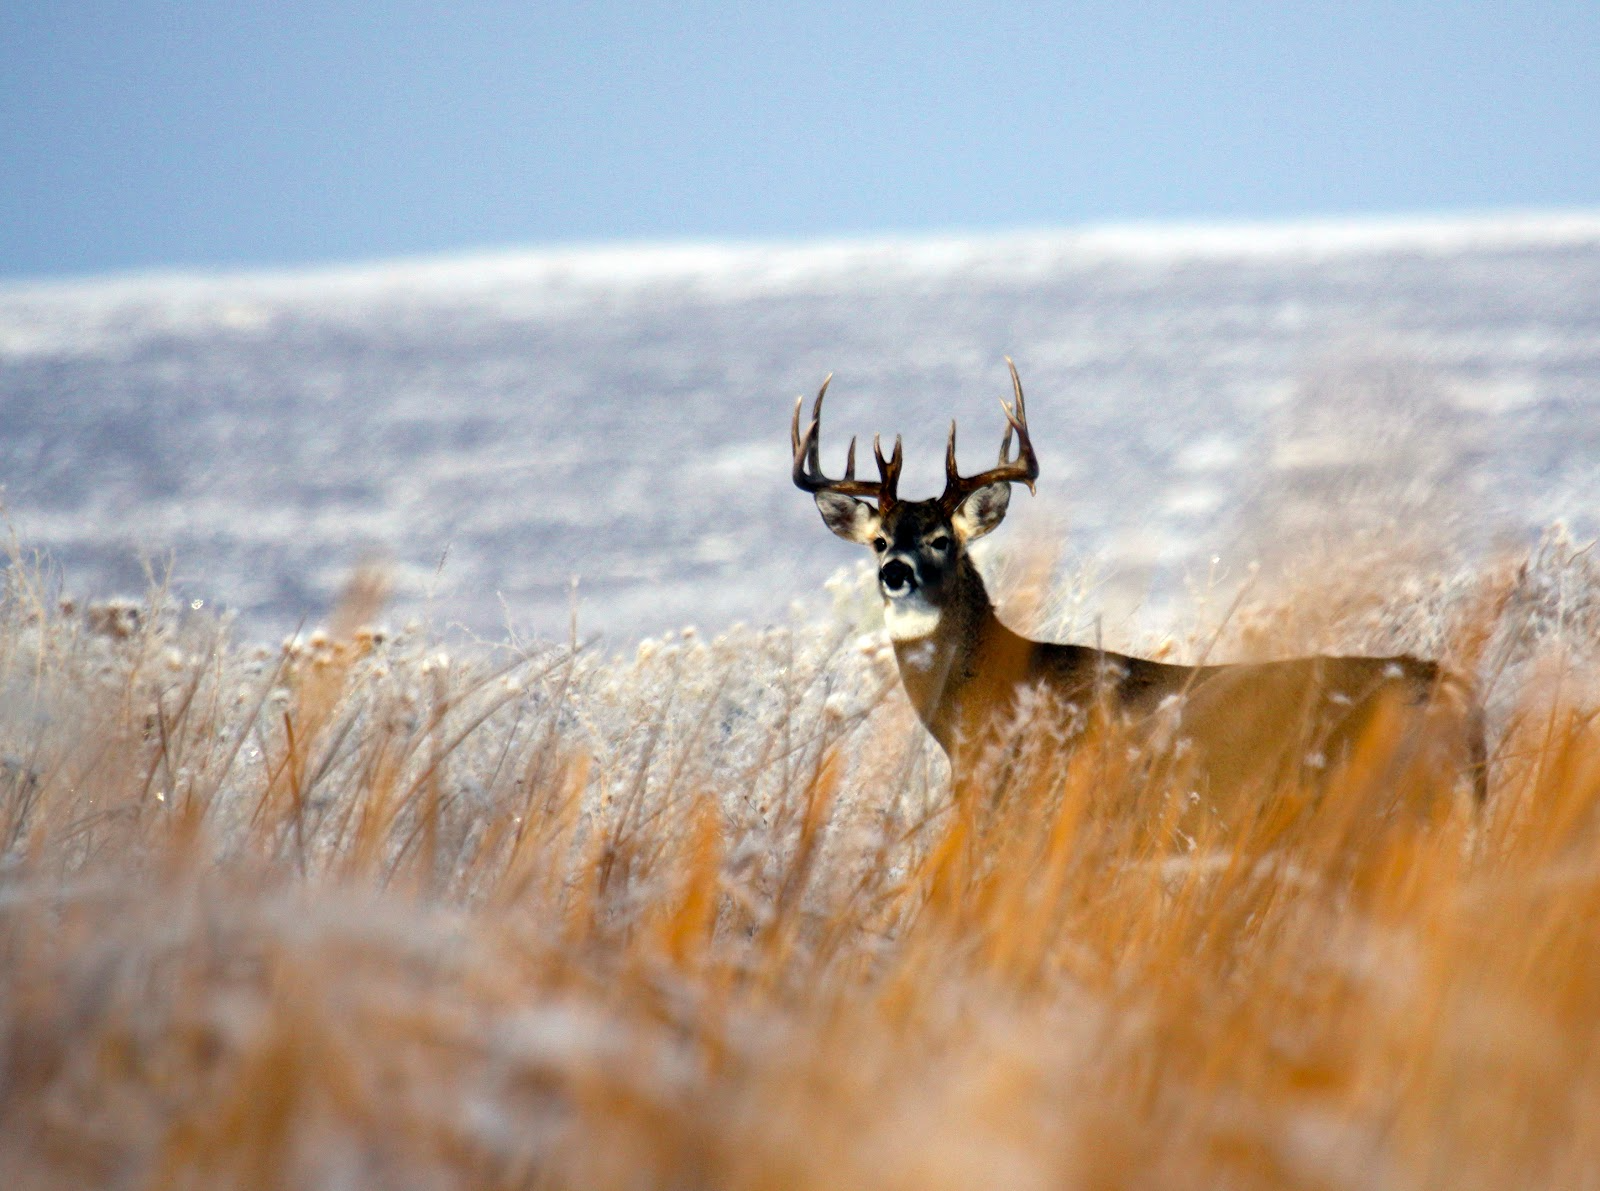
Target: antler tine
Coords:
[(814, 429), (1016, 414), (797, 442), (1019, 416), (888, 472), (808, 474), (1017, 419), (1024, 469)]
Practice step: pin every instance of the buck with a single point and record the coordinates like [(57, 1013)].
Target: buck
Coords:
[(969, 677)]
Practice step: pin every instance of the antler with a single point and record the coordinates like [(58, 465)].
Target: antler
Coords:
[(1024, 469), (808, 467)]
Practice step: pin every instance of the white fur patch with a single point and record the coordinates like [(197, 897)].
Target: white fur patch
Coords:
[(910, 619), (920, 656)]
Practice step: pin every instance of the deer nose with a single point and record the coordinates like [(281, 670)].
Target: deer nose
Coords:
[(897, 576)]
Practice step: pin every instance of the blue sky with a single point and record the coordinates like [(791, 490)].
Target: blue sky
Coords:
[(143, 135)]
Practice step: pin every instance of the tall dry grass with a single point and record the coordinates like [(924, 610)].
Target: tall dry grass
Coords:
[(364, 912)]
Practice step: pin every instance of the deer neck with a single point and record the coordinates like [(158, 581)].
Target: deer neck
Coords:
[(943, 649)]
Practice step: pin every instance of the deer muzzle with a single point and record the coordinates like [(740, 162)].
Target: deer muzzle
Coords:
[(898, 577)]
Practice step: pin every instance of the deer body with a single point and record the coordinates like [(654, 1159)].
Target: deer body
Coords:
[(970, 678)]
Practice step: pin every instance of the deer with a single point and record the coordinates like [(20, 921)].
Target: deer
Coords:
[(970, 678)]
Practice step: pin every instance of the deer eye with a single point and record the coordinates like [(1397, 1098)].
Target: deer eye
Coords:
[(880, 544), (942, 542)]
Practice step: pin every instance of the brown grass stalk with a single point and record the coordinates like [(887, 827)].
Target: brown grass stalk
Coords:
[(355, 913)]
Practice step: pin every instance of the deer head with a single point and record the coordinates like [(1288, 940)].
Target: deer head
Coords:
[(920, 545)]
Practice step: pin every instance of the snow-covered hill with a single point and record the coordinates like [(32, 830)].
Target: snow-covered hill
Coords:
[(499, 424)]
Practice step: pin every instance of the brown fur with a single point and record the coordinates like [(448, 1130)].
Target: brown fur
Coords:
[(1250, 724), (969, 677)]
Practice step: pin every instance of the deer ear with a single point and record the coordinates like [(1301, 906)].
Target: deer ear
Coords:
[(982, 511), (853, 520)]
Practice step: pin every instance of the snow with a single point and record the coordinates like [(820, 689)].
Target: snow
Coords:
[(620, 414)]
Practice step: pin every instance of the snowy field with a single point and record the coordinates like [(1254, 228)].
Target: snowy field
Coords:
[(499, 425), (381, 909)]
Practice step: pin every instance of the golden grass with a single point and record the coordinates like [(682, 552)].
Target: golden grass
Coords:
[(363, 913)]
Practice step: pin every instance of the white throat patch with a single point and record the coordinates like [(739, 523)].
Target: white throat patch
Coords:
[(910, 618)]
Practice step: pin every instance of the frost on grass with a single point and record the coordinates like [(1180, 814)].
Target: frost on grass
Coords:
[(364, 749), (366, 908)]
